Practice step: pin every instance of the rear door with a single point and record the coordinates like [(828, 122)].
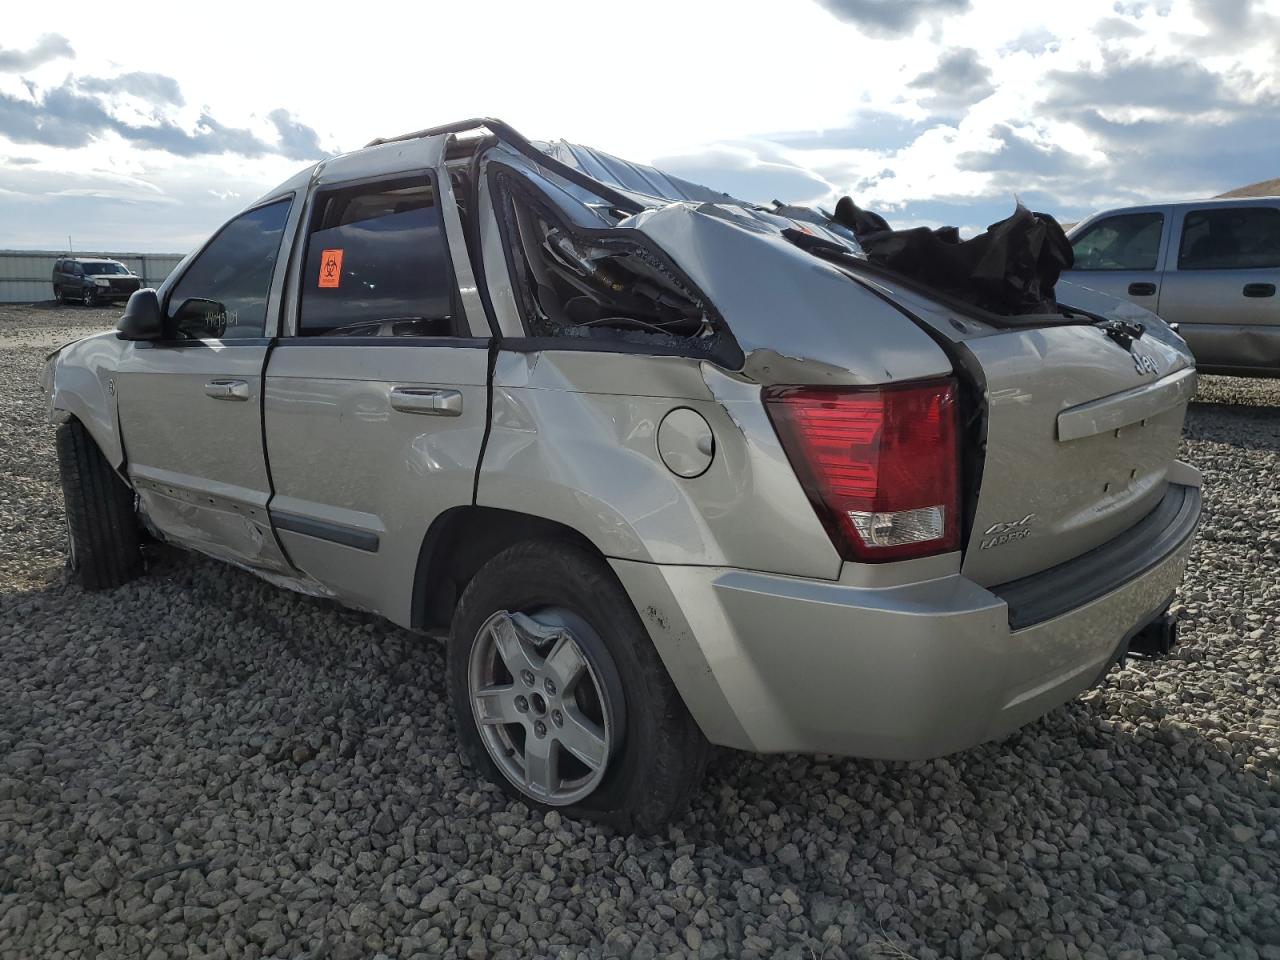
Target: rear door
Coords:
[(190, 404), (1221, 284), (73, 280), (1121, 253), (377, 395)]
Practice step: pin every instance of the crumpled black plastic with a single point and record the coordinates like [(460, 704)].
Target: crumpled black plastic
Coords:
[(1010, 269)]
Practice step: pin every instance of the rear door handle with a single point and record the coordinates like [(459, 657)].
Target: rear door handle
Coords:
[(427, 400), (1259, 289), (1142, 289), (227, 389)]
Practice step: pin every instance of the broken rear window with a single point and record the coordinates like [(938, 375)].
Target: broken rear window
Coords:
[(607, 285)]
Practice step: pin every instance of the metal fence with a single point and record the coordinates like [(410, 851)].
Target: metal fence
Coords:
[(25, 274)]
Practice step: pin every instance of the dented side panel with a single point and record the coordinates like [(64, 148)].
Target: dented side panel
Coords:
[(798, 320), (568, 443)]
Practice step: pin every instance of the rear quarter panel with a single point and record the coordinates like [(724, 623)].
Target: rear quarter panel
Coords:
[(573, 439)]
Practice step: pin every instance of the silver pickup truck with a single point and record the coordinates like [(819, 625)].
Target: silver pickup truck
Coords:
[(1210, 267), (665, 468)]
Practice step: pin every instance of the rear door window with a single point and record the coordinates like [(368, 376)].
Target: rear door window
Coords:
[(377, 263), (1230, 238), (1128, 241)]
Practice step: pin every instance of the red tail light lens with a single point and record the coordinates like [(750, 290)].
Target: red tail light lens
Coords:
[(880, 464)]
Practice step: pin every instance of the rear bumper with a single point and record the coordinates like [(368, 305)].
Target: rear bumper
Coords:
[(779, 664)]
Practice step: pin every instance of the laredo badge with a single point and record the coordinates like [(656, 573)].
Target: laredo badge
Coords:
[(1006, 532)]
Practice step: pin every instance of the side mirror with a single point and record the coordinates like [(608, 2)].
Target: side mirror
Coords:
[(201, 319), (142, 319)]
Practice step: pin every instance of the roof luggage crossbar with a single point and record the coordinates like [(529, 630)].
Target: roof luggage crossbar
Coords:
[(509, 136)]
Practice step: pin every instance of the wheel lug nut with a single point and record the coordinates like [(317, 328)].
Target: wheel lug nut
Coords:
[(522, 704), (527, 677), (550, 686), (557, 718), (540, 728)]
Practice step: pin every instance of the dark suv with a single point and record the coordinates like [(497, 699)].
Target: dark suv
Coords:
[(92, 280)]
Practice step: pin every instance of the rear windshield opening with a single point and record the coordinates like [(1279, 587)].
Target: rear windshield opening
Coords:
[(598, 284)]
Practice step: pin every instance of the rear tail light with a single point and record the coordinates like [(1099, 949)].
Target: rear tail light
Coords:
[(879, 464)]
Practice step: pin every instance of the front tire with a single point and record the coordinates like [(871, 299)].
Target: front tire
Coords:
[(559, 695), (89, 297), (102, 528)]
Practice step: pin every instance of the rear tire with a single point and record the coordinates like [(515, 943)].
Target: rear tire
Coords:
[(58, 298), (654, 752), (102, 528)]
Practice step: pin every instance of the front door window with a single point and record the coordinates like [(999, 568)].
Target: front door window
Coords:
[(223, 294), (1129, 241)]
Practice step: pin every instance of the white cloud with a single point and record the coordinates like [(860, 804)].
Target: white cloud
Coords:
[(710, 85)]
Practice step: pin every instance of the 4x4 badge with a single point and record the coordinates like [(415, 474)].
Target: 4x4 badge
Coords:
[(1007, 531)]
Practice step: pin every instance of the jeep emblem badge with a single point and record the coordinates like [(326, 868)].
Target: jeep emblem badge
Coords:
[(1144, 365)]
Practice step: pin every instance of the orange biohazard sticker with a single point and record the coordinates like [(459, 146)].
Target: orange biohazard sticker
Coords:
[(330, 268)]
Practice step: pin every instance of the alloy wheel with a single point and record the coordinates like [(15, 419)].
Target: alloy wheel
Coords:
[(543, 714)]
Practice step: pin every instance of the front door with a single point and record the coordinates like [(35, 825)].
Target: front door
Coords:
[(377, 396), (1120, 255), (191, 404)]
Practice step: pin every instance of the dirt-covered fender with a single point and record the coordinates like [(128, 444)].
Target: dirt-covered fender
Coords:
[(79, 381)]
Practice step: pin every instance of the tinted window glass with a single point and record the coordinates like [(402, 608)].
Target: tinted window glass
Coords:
[(1235, 238), (103, 267), (225, 288), (1130, 241), (378, 253)]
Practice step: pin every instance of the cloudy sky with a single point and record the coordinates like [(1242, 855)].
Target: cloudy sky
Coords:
[(137, 128)]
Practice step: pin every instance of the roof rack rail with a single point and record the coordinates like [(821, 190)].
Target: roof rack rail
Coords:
[(508, 135)]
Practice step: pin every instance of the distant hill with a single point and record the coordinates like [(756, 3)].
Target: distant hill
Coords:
[(1264, 188)]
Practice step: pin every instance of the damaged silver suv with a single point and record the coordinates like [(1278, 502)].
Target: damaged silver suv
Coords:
[(665, 468)]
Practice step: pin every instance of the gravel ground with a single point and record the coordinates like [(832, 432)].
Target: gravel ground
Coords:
[(201, 765)]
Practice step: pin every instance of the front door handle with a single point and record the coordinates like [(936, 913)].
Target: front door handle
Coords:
[(1259, 289), (427, 400), (227, 389), (1142, 289)]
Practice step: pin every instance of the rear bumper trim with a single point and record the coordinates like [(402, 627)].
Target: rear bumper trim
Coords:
[(1058, 590)]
